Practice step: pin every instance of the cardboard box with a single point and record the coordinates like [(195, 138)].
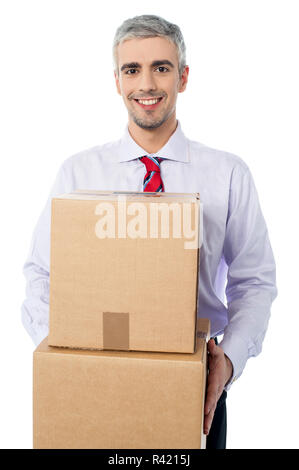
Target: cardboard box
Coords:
[(124, 271), (119, 399)]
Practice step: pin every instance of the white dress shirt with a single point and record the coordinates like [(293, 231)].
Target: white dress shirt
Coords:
[(237, 269)]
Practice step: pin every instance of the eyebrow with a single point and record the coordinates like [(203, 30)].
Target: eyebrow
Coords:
[(155, 63)]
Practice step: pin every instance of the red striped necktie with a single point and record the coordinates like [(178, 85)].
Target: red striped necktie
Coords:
[(152, 181)]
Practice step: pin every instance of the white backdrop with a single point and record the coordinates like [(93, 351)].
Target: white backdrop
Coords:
[(58, 97)]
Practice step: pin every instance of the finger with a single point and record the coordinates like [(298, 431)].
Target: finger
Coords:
[(213, 349), (210, 405), (211, 345), (208, 419), (211, 397)]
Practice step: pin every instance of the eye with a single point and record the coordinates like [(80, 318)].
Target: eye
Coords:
[(130, 70), (162, 67)]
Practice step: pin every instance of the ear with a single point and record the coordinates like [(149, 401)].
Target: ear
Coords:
[(184, 79), (117, 83)]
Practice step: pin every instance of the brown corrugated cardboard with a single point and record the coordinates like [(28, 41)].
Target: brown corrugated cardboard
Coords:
[(119, 399), (124, 270)]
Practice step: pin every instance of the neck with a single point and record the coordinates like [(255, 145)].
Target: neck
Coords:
[(152, 140)]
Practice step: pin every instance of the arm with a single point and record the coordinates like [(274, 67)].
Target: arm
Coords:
[(251, 280), (35, 308), (250, 290)]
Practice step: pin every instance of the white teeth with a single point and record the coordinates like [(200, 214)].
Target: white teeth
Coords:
[(148, 102)]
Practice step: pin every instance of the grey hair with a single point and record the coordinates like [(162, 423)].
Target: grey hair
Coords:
[(147, 26)]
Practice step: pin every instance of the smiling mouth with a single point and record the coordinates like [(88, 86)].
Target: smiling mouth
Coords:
[(149, 103)]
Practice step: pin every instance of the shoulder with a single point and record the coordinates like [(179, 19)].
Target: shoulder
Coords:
[(216, 159), (91, 156)]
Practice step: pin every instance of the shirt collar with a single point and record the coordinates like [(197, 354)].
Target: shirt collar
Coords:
[(176, 148)]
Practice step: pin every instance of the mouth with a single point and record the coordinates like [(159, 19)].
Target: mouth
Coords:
[(149, 104)]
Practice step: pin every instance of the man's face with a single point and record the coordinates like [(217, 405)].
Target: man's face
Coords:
[(148, 70)]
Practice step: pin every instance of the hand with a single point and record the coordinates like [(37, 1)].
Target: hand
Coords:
[(220, 372)]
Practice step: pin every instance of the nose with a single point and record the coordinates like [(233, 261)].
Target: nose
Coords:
[(147, 81)]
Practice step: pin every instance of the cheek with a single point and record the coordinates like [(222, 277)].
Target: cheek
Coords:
[(172, 90), (121, 87), (171, 96), (126, 91)]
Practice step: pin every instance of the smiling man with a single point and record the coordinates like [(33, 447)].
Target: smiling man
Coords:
[(237, 268)]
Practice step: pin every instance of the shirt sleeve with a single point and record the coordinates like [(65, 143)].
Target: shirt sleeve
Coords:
[(35, 308), (251, 279)]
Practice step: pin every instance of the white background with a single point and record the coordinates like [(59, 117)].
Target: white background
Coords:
[(58, 97)]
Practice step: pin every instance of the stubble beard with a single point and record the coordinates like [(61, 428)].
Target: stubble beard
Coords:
[(150, 122), (145, 124)]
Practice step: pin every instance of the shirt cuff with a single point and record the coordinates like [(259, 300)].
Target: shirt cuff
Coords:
[(235, 348), (37, 334)]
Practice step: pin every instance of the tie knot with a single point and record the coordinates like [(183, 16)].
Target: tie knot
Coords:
[(151, 163)]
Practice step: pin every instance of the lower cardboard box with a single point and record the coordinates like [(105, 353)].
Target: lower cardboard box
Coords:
[(84, 399)]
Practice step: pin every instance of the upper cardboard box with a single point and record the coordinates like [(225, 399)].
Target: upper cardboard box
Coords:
[(124, 270)]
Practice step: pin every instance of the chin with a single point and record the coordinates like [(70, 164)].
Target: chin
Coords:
[(144, 124)]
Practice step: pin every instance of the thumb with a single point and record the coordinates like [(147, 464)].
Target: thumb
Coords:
[(211, 346)]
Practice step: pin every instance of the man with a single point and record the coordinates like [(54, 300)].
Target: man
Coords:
[(236, 260)]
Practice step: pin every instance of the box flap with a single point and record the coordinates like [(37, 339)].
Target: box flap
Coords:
[(83, 194)]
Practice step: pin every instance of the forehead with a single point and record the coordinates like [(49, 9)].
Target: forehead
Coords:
[(146, 50)]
